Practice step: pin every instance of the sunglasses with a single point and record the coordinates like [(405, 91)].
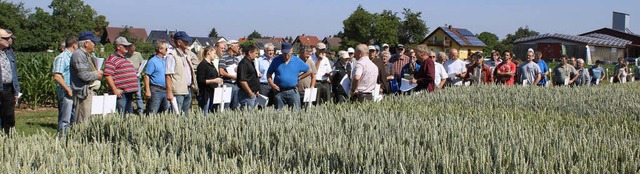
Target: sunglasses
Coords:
[(6, 38), (432, 56)]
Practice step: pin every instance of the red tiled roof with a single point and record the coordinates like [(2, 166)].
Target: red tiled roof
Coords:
[(307, 40), (114, 32)]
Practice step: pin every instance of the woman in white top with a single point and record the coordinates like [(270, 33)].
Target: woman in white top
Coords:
[(622, 73)]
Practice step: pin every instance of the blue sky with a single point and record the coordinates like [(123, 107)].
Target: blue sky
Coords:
[(237, 18)]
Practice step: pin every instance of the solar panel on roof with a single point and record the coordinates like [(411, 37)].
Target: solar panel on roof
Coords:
[(454, 37), (465, 32)]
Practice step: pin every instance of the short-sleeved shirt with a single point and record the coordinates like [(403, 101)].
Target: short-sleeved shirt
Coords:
[(305, 83), (61, 66), (286, 74), (368, 73), (530, 72), (227, 61), (155, 70), (596, 73), (543, 70), (170, 65), (247, 72), (564, 72), (122, 71), (454, 67), (263, 66), (506, 67), (323, 68), (441, 73), (135, 59), (584, 77)]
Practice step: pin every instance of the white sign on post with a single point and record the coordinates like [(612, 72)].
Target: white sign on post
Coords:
[(597, 81), (376, 94), (222, 95), (566, 82), (262, 100), (310, 94), (611, 80), (142, 65), (406, 85), (103, 105), (174, 106), (525, 83), (346, 83)]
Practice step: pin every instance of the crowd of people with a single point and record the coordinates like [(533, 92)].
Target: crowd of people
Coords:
[(174, 73)]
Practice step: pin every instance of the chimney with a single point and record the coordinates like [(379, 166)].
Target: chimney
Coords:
[(620, 21)]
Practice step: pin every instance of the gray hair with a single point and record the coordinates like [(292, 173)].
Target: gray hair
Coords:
[(580, 61), (160, 44), (363, 48), (268, 45), (386, 53), (82, 43)]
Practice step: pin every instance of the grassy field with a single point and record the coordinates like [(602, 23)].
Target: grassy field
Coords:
[(486, 129), (30, 122)]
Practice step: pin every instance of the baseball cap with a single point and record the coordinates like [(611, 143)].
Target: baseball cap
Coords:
[(371, 47), (232, 42), (530, 50), (88, 35), (343, 54), (286, 47), (377, 47), (321, 46), (385, 45), (351, 50), (4, 33), (400, 46), (122, 41), (181, 35)]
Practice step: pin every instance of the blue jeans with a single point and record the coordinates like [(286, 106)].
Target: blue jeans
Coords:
[(140, 108), (245, 101), (158, 101), (124, 105), (184, 102), (235, 103), (65, 111), (205, 103), (290, 97)]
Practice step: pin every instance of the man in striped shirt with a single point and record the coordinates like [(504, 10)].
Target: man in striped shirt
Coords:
[(121, 77)]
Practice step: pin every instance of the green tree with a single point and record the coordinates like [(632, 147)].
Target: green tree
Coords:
[(413, 28), (384, 28), (254, 35), (14, 17), (489, 39), (507, 42), (42, 34), (213, 33), (74, 16), (357, 27), (244, 44)]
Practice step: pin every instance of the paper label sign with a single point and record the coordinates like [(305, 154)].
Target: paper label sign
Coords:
[(104, 104), (310, 94), (566, 82), (222, 95), (262, 100), (525, 83), (406, 85)]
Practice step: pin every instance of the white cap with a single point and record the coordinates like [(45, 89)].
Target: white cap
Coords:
[(321, 46), (385, 45), (371, 47), (232, 42), (530, 50), (351, 50), (343, 54), (122, 41)]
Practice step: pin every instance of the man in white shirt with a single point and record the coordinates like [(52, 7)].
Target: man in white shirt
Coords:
[(455, 68), (441, 74), (323, 65), (365, 74)]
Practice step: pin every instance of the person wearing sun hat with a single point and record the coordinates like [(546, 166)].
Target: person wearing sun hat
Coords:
[(85, 76), (282, 76), (9, 89)]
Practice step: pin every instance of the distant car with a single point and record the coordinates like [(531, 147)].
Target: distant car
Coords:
[(606, 62), (630, 60)]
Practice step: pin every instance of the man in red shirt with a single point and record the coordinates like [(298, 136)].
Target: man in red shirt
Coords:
[(427, 72), (477, 71), (121, 77), (506, 70)]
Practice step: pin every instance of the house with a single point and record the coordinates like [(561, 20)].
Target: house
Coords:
[(219, 39), (446, 38), (277, 43), (590, 47), (156, 35), (633, 49), (200, 42), (111, 33), (305, 41), (332, 42)]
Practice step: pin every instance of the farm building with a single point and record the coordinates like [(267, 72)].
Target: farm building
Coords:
[(590, 47), (446, 38), (633, 49)]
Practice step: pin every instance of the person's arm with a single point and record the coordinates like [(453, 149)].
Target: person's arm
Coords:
[(243, 78), (618, 76), (538, 78), (245, 87), (109, 69), (272, 68), (147, 88), (604, 75), (356, 77), (223, 70), (170, 64), (313, 81), (60, 80), (80, 62), (442, 82), (113, 87), (576, 76), (308, 73)]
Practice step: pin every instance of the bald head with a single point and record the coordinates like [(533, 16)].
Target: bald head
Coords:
[(361, 51), (454, 54)]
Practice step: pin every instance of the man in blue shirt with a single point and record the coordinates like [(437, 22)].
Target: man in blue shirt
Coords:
[(544, 69), (62, 76), (597, 73), (263, 66), (154, 80), (286, 69)]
